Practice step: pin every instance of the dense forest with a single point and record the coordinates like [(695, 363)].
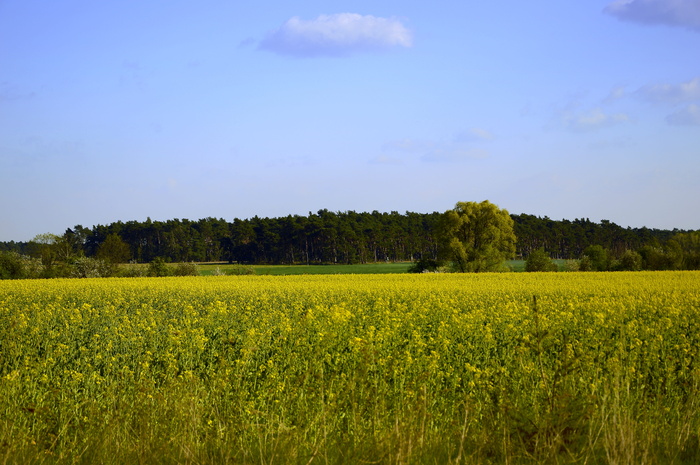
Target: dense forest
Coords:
[(333, 237)]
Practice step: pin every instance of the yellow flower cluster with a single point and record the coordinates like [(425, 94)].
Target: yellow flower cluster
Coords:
[(354, 354)]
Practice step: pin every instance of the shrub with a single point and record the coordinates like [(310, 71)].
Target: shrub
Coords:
[(186, 269), (56, 270), (11, 266), (585, 264), (239, 270), (539, 261), (132, 270), (630, 261), (425, 265), (87, 267), (598, 258), (158, 268), (662, 258)]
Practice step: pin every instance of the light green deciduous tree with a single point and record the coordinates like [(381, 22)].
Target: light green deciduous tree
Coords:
[(477, 237)]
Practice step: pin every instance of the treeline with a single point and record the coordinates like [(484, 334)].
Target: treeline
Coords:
[(569, 239), (322, 237), (331, 237)]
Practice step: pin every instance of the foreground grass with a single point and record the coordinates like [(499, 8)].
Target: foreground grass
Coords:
[(495, 368)]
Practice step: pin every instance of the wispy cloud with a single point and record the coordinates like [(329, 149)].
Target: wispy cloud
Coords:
[(671, 93), (464, 146), (386, 160), (595, 119), (687, 116), (616, 93), (340, 34), (408, 146), (10, 93), (589, 120), (474, 134), (681, 13), (684, 97), (455, 154)]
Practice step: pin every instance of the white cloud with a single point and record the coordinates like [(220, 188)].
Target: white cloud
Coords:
[(683, 13), (672, 93), (688, 116), (336, 35), (593, 119)]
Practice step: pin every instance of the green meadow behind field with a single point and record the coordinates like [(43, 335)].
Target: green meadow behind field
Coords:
[(367, 268), (210, 269)]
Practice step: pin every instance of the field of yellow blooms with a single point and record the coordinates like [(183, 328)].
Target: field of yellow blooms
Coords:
[(431, 368)]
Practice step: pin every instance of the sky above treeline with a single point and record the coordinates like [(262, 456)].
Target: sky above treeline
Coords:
[(122, 110)]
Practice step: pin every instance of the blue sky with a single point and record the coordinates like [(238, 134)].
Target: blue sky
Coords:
[(123, 110)]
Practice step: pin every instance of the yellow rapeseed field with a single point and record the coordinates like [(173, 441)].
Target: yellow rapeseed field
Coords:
[(430, 368)]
